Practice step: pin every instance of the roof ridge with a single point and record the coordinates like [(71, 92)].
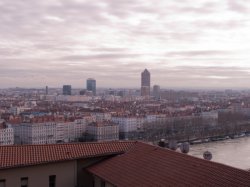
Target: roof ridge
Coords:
[(73, 143)]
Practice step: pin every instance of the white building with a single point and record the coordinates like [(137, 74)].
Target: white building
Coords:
[(129, 127), (72, 130), (126, 124), (36, 133), (155, 118), (103, 131), (18, 110), (49, 132), (6, 135), (101, 116)]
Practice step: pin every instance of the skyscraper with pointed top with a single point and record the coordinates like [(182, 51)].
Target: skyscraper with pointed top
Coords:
[(145, 83)]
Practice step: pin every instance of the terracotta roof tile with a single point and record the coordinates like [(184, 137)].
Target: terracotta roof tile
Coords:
[(24, 155), (147, 165)]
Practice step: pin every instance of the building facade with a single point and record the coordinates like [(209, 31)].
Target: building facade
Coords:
[(145, 83), (103, 131), (156, 92), (129, 127), (49, 132), (91, 85), (35, 133), (66, 89), (6, 135)]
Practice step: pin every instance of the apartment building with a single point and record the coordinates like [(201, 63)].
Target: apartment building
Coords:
[(71, 130), (49, 132), (6, 134), (100, 116), (103, 131), (129, 126), (35, 133)]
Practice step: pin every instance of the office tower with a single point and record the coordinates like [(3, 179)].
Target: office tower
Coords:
[(66, 89), (156, 92), (145, 83), (47, 90), (91, 85)]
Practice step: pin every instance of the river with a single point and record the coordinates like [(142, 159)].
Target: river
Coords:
[(232, 152)]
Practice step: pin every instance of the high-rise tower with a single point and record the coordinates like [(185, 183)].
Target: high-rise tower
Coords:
[(145, 83), (46, 90), (156, 91), (91, 85)]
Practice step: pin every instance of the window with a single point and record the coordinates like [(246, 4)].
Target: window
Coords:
[(52, 181), (24, 182), (2, 183)]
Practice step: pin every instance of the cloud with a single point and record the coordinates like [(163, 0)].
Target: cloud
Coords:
[(98, 57), (188, 42), (194, 53), (238, 6)]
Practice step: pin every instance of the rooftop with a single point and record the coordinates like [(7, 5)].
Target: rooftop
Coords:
[(25, 155), (147, 165)]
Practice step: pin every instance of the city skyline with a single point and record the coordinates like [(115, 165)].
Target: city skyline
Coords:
[(190, 44)]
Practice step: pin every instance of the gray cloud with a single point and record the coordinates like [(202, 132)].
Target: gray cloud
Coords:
[(182, 42), (98, 57), (193, 53), (238, 6)]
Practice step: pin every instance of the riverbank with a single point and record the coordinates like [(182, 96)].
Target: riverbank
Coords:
[(233, 152), (215, 138)]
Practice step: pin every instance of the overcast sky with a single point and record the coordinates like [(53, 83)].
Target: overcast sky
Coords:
[(183, 43)]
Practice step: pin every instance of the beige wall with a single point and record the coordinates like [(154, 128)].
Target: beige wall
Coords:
[(65, 172)]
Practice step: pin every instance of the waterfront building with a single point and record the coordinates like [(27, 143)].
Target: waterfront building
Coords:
[(129, 127), (145, 83), (35, 133), (70, 131), (103, 131), (66, 89), (6, 134), (49, 132), (91, 85)]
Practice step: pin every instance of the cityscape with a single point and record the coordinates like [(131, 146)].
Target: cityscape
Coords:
[(124, 93), (167, 118)]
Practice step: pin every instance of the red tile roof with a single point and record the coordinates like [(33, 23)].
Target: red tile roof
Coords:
[(25, 155), (147, 165)]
